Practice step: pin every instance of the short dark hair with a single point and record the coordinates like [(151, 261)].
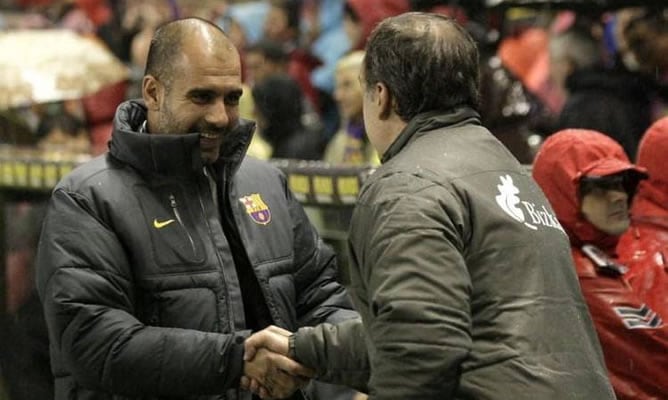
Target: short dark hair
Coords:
[(167, 43), (427, 61)]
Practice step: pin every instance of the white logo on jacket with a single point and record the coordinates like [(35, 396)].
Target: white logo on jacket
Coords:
[(509, 201)]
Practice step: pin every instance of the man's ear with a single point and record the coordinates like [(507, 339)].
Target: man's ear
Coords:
[(152, 92), (384, 101)]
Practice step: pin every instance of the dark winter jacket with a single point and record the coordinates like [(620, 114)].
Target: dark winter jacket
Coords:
[(139, 286), (615, 102), (463, 278)]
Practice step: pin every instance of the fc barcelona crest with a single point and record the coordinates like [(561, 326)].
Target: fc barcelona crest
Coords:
[(256, 208)]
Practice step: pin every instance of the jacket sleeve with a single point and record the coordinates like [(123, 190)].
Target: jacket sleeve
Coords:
[(634, 338), (85, 282), (338, 353), (320, 297), (411, 284)]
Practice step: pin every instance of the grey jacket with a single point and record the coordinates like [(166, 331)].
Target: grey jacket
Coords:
[(463, 278), (139, 286)]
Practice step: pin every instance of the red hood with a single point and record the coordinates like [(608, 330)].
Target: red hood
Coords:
[(564, 158), (652, 197), (371, 12)]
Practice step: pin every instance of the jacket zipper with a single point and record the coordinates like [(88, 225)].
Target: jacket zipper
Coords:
[(230, 312), (177, 215)]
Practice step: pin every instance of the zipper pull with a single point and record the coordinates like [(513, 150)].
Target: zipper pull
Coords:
[(172, 203)]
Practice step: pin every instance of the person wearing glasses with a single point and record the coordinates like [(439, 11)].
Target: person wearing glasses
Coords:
[(590, 182)]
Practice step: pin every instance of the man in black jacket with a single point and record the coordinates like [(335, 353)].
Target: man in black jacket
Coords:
[(158, 259), (459, 267)]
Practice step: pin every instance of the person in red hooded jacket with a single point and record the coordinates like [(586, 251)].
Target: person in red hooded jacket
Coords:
[(644, 247), (589, 181)]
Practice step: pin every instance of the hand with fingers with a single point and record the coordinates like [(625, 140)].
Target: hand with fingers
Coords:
[(268, 371), (272, 338)]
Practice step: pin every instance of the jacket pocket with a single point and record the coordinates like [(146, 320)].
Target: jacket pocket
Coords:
[(172, 220)]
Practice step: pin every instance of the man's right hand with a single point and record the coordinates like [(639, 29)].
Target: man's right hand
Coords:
[(272, 338), (268, 372)]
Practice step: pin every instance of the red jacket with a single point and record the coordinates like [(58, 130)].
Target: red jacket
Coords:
[(633, 336), (644, 247)]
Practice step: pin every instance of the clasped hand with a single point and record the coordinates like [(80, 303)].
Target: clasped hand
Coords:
[(268, 371)]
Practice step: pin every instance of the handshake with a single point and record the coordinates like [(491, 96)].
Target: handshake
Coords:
[(269, 372)]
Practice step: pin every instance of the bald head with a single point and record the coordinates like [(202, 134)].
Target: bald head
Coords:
[(172, 38)]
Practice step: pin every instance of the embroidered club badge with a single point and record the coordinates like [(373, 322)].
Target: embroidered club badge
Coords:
[(256, 208)]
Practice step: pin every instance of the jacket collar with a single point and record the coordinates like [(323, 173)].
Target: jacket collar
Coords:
[(169, 154), (430, 121)]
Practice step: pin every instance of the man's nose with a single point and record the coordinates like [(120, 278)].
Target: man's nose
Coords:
[(217, 115)]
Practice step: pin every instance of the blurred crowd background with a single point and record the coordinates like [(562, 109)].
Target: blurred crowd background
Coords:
[(65, 65)]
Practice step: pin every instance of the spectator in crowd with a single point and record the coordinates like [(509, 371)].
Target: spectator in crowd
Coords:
[(589, 181), (647, 38), (459, 269), (350, 145), (572, 50), (615, 100), (279, 112), (523, 48), (158, 259), (265, 58), (644, 247), (282, 22)]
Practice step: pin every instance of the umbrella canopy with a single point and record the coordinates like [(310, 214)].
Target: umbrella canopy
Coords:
[(575, 4), (39, 66)]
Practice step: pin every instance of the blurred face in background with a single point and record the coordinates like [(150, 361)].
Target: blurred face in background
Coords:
[(348, 93), (258, 67), (276, 25)]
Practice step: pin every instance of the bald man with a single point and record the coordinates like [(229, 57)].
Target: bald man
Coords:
[(159, 258)]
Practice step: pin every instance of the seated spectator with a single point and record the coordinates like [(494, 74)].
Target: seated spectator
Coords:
[(644, 247), (279, 111), (590, 181), (350, 145)]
